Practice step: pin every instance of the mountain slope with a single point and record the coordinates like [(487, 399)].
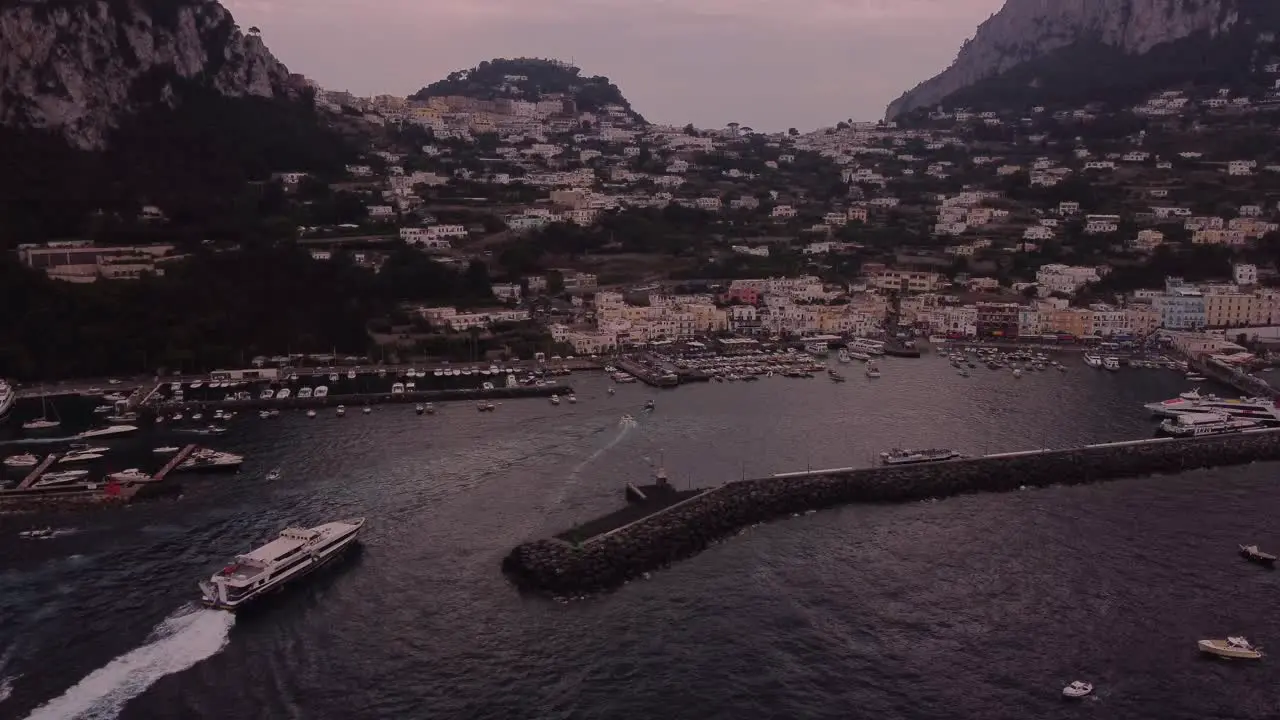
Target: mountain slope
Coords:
[(1027, 30)]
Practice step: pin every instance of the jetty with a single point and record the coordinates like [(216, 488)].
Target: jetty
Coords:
[(39, 470), (649, 371), (174, 462), (356, 399), (605, 553)]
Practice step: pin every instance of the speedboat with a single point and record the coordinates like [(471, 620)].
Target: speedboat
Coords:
[(130, 475), (25, 460), (484, 406), (1077, 689), (205, 460), (1233, 648), (59, 478), (1253, 554), (311, 413), (627, 419), (166, 450), (294, 554), (40, 424), (367, 410), (610, 390), (648, 404), (274, 474), (555, 399), (40, 534)]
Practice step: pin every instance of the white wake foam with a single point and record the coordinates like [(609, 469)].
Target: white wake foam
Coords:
[(178, 642)]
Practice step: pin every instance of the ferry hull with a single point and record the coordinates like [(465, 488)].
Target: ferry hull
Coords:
[(209, 595)]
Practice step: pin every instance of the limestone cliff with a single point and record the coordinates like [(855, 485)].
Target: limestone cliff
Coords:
[(1028, 29), (81, 67)]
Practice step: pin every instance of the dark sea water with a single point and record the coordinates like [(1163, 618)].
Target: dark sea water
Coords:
[(973, 607)]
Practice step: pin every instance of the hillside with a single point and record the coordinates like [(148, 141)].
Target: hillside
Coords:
[(1035, 45), (108, 105), (529, 79)]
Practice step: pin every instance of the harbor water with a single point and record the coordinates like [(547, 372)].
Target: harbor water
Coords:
[(976, 606)]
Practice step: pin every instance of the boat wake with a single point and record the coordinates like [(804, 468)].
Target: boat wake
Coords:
[(7, 681), (625, 426), (179, 642)]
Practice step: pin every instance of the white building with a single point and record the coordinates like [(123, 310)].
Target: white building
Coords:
[(1245, 274), (1065, 278)]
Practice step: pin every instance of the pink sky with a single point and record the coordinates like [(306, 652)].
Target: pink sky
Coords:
[(770, 64)]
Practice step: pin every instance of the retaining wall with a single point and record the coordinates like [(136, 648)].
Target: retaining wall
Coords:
[(563, 569)]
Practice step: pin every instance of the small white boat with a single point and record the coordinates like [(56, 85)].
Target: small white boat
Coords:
[(274, 474), (430, 408), (873, 371), (572, 398), (177, 416), (397, 389), (322, 391), (197, 416), (1233, 648), (304, 393), (41, 534), (283, 394), (123, 418), (351, 374), (59, 478), (40, 424), (1077, 689), (555, 399), (367, 410), (267, 394), (1191, 395), (114, 397), (610, 391), (342, 410), (196, 385), (333, 377), (166, 450), (130, 475), (25, 460), (311, 413), (108, 431), (86, 455), (264, 414), (419, 408)]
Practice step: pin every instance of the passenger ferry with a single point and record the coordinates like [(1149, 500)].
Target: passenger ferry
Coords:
[(866, 345), (1260, 409), (294, 555), (1201, 424), (898, 456)]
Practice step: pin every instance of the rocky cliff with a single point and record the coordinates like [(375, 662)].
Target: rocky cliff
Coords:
[(79, 68), (1024, 30)]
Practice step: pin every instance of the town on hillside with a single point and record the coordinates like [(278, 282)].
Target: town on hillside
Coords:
[(1106, 220)]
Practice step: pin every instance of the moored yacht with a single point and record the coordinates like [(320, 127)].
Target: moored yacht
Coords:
[(322, 391), (1111, 363), (898, 456), (25, 460), (865, 346), (62, 477), (129, 476), (108, 431), (304, 393), (205, 460), (1092, 360), (1234, 648), (1260, 409), (293, 555), (83, 455)]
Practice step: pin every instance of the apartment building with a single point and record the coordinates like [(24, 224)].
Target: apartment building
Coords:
[(82, 261)]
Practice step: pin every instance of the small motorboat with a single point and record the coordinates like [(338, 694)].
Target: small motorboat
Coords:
[(166, 450), (1077, 689), (610, 390), (367, 410), (311, 413), (431, 409), (342, 410), (572, 398), (555, 399), (25, 460), (628, 419), (419, 409), (648, 404), (1253, 554), (264, 414), (274, 474), (40, 534), (1233, 648), (130, 475)]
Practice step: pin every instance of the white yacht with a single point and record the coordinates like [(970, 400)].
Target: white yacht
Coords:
[(267, 394), (205, 460), (1077, 689), (1092, 360), (304, 393), (283, 394), (107, 432), (40, 424), (129, 476), (322, 391), (899, 456), (1193, 394), (166, 450), (397, 389), (293, 555), (59, 478), (123, 418), (25, 460), (1235, 647), (1207, 423), (1111, 363), (83, 455)]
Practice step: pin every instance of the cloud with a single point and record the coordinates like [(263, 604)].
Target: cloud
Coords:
[(768, 63)]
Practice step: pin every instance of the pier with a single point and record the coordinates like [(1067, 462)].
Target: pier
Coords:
[(174, 462), (605, 553), (358, 399), (39, 470), (1236, 378), (648, 373)]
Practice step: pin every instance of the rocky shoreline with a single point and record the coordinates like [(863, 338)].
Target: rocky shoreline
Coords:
[(607, 561)]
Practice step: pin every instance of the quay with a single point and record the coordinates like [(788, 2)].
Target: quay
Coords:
[(649, 372), (357, 399), (1250, 385), (606, 553), (39, 470)]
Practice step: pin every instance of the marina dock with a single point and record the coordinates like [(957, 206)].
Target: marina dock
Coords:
[(607, 552), (648, 373), (174, 462), (39, 470)]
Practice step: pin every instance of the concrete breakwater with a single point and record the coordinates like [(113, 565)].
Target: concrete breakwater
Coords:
[(679, 531), (357, 399)]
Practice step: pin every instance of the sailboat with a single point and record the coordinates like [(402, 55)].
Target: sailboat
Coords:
[(43, 422)]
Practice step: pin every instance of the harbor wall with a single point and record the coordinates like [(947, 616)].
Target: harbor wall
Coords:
[(355, 400), (680, 531)]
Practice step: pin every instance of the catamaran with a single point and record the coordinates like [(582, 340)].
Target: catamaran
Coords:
[(293, 555)]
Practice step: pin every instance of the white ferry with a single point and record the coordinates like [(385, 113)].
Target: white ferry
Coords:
[(1092, 360), (867, 346), (293, 555), (898, 456), (1260, 409), (1200, 424)]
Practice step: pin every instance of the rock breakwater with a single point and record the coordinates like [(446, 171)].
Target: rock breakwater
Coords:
[(606, 561)]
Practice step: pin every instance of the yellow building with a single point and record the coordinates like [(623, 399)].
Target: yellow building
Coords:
[(1230, 309), (1073, 321), (1142, 320)]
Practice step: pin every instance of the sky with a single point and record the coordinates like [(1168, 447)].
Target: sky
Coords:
[(767, 64)]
